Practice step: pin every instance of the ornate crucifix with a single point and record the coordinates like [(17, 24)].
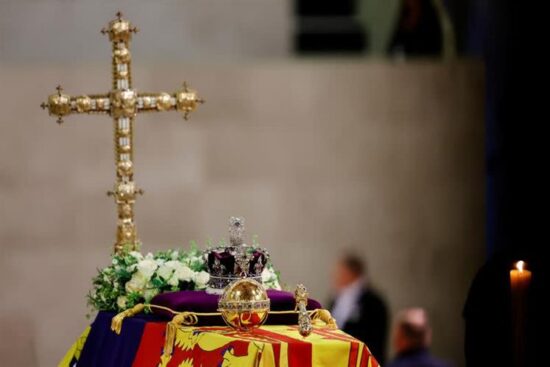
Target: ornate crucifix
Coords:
[(122, 103)]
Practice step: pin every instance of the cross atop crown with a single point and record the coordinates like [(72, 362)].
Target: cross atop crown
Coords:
[(236, 231), (122, 102)]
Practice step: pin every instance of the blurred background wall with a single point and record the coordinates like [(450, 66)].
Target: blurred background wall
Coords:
[(317, 153)]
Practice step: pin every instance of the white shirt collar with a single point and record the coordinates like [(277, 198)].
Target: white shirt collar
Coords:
[(346, 302)]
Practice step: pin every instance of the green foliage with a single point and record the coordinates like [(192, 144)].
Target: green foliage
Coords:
[(133, 278)]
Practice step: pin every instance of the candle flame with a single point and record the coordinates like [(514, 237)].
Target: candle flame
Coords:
[(520, 265)]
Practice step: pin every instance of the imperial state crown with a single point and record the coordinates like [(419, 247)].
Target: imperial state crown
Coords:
[(233, 261)]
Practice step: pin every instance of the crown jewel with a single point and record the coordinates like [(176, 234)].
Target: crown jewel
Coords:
[(237, 260)]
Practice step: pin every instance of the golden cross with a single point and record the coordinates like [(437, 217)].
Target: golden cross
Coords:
[(122, 103)]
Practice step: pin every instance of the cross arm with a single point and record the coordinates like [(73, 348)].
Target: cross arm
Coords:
[(184, 100), (60, 104)]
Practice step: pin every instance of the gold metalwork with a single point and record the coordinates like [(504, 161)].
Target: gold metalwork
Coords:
[(125, 168), (244, 304), (122, 103), (83, 104), (323, 317), (320, 317), (116, 322), (186, 100), (305, 326), (164, 102)]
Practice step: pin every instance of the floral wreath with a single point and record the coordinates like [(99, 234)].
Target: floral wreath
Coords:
[(134, 278)]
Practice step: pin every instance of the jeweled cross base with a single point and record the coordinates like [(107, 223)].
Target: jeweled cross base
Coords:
[(122, 103)]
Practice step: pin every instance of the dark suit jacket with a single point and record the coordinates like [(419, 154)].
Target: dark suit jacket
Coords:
[(370, 323)]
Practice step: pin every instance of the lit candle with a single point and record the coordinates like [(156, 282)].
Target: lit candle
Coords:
[(520, 278), (519, 284)]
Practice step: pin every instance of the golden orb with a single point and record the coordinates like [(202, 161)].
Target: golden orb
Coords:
[(244, 304)]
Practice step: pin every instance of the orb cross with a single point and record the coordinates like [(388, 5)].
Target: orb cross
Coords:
[(122, 103)]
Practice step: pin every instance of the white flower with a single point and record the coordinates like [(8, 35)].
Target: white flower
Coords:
[(147, 267), (121, 302), (136, 255), (174, 264), (165, 271), (267, 275), (171, 271), (184, 273), (136, 284), (270, 278), (174, 281), (174, 255), (201, 278)]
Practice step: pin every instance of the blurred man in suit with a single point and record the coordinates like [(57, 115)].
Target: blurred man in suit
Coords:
[(359, 310), (411, 339)]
